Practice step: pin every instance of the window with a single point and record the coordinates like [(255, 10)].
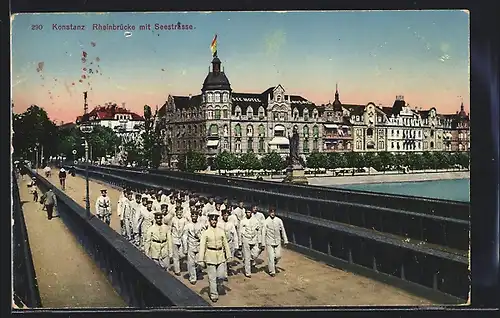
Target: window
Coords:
[(261, 145), (195, 146), (381, 132), (305, 131), (315, 114), (306, 115), (210, 114), (348, 146), (237, 111), (249, 131), (214, 130), (249, 112), (217, 114), (295, 114), (315, 145), (217, 97), (397, 146), (419, 134), (380, 145), (392, 132), (419, 145), (305, 146), (278, 98), (392, 144), (209, 97), (276, 116), (261, 112), (358, 145), (189, 144), (238, 146), (250, 144), (432, 134), (315, 131), (225, 97), (262, 130), (237, 130), (369, 132), (224, 113), (432, 144)]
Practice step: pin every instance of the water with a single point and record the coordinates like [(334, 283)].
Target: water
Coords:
[(452, 189)]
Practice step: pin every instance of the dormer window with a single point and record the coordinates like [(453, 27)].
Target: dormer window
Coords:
[(225, 97), (315, 114), (306, 114), (295, 113), (261, 112), (249, 112), (209, 97), (217, 97), (237, 112), (278, 98)]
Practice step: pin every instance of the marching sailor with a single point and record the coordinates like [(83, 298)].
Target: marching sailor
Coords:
[(191, 243), (177, 228), (103, 207), (273, 232), (158, 242)]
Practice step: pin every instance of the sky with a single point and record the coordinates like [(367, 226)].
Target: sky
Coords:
[(372, 56)]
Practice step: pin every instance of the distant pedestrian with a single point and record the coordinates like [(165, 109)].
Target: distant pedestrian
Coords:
[(50, 202), (62, 178)]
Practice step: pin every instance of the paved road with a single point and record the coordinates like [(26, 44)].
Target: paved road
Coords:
[(300, 282), (67, 277)]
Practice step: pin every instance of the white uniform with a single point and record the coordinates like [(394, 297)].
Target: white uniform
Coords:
[(207, 208), (261, 218), (127, 217), (273, 232), (156, 206), (164, 198), (250, 239), (103, 209), (191, 243), (239, 213), (136, 220), (177, 228), (158, 244), (148, 218), (120, 206)]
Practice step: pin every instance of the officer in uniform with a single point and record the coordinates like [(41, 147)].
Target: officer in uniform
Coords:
[(250, 241), (191, 243), (273, 232), (147, 220), (231, 235), (103, 207), (177, 228), (158, 242), (214, 252)]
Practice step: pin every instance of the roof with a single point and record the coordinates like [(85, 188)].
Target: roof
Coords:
[(356, 110), (216, 79), (187, 102), (108, 113)]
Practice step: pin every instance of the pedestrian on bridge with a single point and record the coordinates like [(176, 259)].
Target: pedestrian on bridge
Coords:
[(136, 219), (103, 207), (202, 218), (214, 252), (158, 242), (127, 215), (191, 244), (120, 206), (177, 227), (239, 211), (50, 202), (148, 218), (261, 218), (229, 229), (62, 178), (273, 233), (250, 241)]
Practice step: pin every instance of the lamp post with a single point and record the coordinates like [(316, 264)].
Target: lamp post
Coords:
[(87, 129)]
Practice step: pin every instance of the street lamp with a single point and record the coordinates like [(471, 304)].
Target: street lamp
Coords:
[(87, 129)]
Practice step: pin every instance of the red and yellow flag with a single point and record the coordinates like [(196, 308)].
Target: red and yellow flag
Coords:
[(213, 46)]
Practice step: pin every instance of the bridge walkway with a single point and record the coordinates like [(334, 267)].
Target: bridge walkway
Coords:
[(67, 277), (302, 281)]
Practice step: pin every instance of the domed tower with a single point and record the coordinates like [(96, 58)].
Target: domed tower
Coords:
[(216, 103)]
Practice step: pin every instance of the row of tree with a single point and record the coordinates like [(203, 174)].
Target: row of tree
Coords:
[(382, 161), (34, 131)]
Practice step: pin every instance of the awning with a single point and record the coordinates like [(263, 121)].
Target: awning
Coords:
[(279, 141), (212, 143), (279, 128), (331, 126)]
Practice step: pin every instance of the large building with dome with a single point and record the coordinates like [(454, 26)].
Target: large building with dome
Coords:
[(220, 119)]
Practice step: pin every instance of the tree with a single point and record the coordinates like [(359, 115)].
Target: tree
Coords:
[(249, 161), (192, 161), (317, 160), (225, 161), (333, 160), (103, 141), (34, 127), (368, 160), (463, 160), (414, 161), (272, 161), (152, 141), (386, 160), (352, 160)]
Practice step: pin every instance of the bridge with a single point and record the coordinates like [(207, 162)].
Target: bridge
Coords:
[(346, 247)]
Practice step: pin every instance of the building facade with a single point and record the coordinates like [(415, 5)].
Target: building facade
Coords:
[(125, 123), (220, 119)]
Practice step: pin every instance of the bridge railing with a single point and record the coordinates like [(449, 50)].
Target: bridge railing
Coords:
[(136, 278), (444, 231), (431, 206), (432, 272), (25, 283)]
